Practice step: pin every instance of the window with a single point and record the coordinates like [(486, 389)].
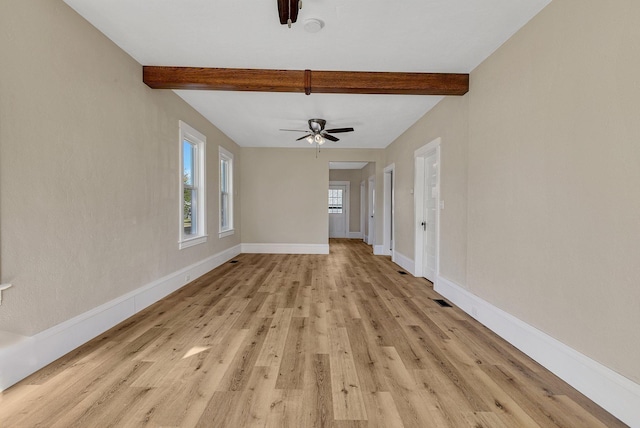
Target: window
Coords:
[(335, 201), (193, 224), (226, 192)]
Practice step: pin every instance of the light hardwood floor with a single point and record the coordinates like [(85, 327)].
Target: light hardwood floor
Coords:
[(342, 340)]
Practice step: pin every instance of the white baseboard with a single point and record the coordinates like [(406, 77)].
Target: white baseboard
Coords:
[(613, 392), (355, 235), (285, 248), (404, 262), (365, 239), (17, 358), (378, 250), (21, 355)]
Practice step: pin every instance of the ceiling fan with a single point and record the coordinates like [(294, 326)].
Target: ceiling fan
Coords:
[(317, 134)]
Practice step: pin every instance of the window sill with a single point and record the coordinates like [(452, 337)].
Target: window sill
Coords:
[(192, 241), (226, 233)]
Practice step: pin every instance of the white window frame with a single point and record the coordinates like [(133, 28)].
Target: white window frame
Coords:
[(226, 155), (188, 133)]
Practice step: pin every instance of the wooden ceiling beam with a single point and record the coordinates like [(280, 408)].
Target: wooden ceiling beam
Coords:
[(327, 82), (360, 82)]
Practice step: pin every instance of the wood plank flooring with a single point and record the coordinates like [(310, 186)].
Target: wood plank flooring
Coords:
[(342, 340)]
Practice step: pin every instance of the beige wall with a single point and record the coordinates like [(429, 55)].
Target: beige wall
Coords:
[(448, 121), (554, 178), (89, 170), (540, 178), (354, 177), (284, 193)]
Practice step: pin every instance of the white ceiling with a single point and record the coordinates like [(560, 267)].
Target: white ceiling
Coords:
[(374, 35)]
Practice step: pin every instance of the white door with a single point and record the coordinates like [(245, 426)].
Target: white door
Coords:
[(372, 204), (337, 211), (363, 210), (387, 229), (430, 210)]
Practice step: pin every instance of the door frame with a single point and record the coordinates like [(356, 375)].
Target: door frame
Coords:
[(418, 203), (345, 202), (388, 226)]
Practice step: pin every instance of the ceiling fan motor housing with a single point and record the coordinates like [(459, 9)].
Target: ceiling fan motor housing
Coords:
[(317, 125)]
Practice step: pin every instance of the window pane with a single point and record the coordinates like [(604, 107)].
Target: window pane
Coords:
[(224, 175), (188, 211), (224, 210), (335, 201), (188, 154)]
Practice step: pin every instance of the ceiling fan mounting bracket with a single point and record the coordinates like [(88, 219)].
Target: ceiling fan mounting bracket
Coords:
[(288, 11)]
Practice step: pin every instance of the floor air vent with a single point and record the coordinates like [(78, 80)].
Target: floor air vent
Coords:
[(442, 303), (401, 272)]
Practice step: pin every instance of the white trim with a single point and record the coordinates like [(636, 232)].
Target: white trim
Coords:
[(226, 233), (192, 241), (418, 204), (404, 262), (371, 209), (615, 393), (345, 202), (21, 355), (355, 235), (261, 248), (388, 209), (378, 250)]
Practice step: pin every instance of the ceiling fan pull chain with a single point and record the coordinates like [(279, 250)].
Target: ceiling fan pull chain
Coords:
[(289, 20)]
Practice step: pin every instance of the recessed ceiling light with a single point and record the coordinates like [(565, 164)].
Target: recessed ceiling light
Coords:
[(313, 25)]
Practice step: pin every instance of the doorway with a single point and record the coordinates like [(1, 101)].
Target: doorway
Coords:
[(355, 202), (338, 203), (427, 210)]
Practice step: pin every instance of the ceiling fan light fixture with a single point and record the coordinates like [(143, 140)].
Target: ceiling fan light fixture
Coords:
[(318, 134), (313, 25)]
